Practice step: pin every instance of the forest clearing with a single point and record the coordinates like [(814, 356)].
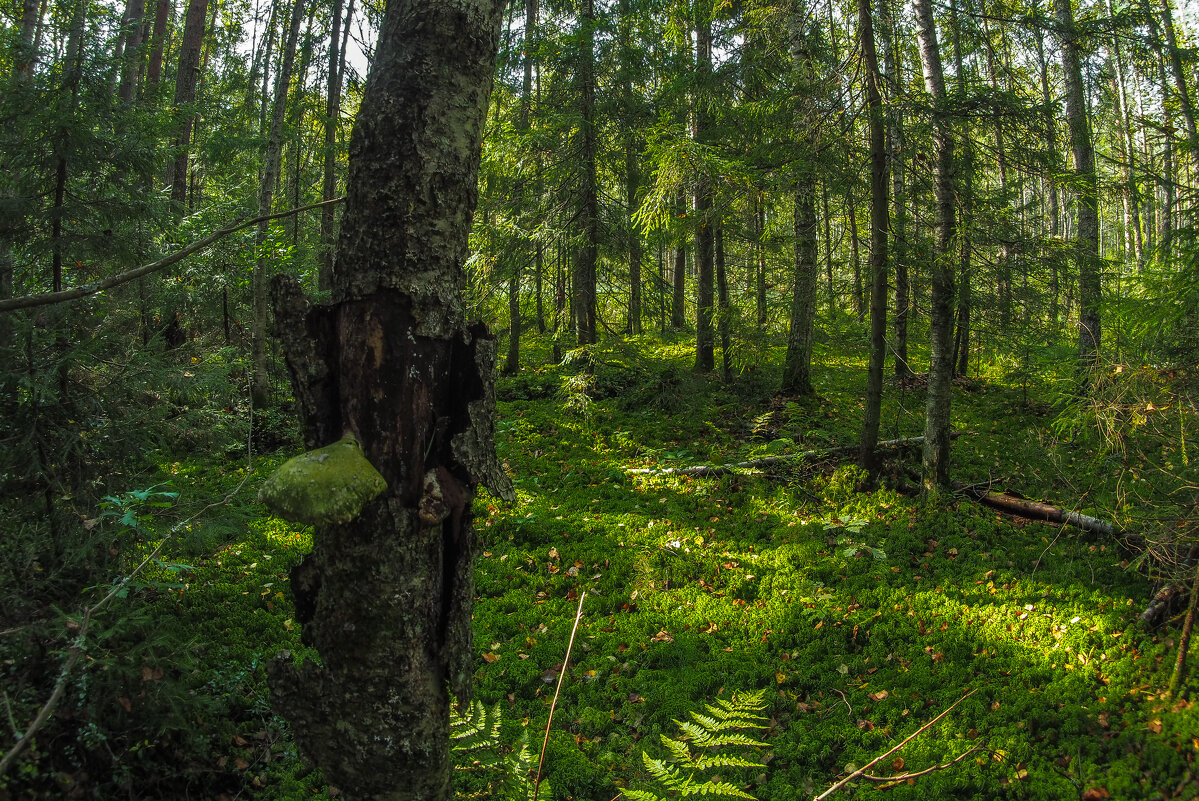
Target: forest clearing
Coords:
[(640, 399)]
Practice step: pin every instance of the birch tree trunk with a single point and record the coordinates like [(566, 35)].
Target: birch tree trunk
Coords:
[(386, 598)]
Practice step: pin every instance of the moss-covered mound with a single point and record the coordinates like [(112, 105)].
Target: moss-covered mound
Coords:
[(327, 485)]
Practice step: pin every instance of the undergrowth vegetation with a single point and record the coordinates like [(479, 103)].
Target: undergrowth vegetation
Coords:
[(844, 613)]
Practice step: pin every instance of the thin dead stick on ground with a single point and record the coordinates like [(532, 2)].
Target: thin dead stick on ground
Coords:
[(554, 703), (862, 770), (78, 644)]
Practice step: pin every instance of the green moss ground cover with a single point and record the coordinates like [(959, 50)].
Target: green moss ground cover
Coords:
[(862, 614)]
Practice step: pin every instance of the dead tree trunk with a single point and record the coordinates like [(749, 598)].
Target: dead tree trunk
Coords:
[(386, 598)]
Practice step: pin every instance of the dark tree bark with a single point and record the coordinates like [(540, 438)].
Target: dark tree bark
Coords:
[(515, 323), (332, 116), (960, 358), (272, 164), (879, 202), (1086, 243), (678, 320), (1049, 124), (760, 253), (941, 275), (158, 38), (186, 80), (131, 40), (797, 367), (584, 295), (704, 192), (724, 310), (899, 223), (386, 598)]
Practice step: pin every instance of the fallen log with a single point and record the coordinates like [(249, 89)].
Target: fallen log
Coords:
[(766, 462), (1036, 510)]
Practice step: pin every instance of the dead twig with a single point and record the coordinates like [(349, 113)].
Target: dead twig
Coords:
[(862, 770), (557, 690), (903, 777)]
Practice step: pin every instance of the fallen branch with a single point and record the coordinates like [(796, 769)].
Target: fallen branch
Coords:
[(1036, 510), (862, 770), (92, 287), (766, 462), (1162, 604), (903, 777)]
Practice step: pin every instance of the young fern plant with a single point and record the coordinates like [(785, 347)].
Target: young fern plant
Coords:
[(702, 746), (488, 768)]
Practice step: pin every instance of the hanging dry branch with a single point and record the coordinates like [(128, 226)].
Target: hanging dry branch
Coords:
[(91, 288)]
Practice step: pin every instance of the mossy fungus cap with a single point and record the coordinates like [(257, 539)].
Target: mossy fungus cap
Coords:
[(328, 485)]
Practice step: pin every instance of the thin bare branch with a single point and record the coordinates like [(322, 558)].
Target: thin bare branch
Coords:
[(862, 770), (91, 288)]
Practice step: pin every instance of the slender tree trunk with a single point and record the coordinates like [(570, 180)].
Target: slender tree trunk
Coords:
[(329, 177), (512, 363), (941, 274), (1086, 245), (584, 294), (26, 51), (797, 368), (632, 147), (162, 16), (724, 310), (851, 215), (1178, 73), (272, 163), (965, 190), (701, 123), (677, 319), (760, 251), (386, 598), (1049, 123), (185, 94), (899, 223), (135, 11), (879, 202)]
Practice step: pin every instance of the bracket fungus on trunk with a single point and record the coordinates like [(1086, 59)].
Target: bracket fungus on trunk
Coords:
[(327, 485)]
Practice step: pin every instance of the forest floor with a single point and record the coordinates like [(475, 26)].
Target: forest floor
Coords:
[(861, 613)]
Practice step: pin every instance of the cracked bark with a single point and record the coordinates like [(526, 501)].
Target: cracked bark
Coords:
[(386, 599)]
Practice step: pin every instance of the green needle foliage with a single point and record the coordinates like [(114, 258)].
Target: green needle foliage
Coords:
[(702, 745)]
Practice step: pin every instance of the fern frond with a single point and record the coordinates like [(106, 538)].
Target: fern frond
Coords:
[(678, 750), (681, 773), (706, 762), (642, 795)]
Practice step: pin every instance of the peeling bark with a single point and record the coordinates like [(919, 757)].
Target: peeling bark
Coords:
[(386, 598)]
